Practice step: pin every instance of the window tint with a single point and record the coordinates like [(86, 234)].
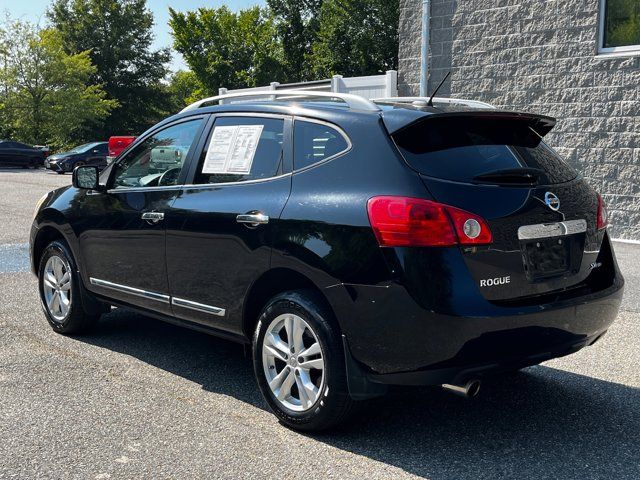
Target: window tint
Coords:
[(242, 148), (314, 142), (159, 159), (621, 23), (462, 149)]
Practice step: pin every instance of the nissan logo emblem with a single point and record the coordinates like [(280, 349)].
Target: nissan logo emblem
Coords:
[(552, 201)]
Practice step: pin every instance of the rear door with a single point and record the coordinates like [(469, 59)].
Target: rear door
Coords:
[(542, 215), (97, 155), (220, 228), (23, 154)]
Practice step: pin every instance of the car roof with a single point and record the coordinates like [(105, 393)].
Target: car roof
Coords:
[(395, 114)]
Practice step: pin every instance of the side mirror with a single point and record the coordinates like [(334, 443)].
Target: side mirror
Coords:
[(86, 176)]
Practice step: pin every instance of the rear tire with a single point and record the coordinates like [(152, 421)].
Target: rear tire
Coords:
[(302, 395), (60, 294)]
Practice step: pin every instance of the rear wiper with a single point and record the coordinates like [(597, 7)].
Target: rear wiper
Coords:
[(511, 176)]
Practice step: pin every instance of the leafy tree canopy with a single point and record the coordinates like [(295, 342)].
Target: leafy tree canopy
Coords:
[(356, 37), (184, 89), (297, 24), (46, 94), (622, 23), (227, 49), (118, 35)]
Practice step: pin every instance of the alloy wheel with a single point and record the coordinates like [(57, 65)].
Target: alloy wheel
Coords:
[(56, 285), (293, 362)]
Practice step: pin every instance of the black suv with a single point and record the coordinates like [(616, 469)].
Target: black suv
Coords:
[(94, 153), (354, 244)]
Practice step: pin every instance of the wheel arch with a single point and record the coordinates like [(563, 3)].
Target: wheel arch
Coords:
[(270, 284), (44, 237)]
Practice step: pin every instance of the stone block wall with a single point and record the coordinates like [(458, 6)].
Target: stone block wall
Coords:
[(541, 56)]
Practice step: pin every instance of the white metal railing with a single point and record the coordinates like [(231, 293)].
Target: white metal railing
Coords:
[(369, 87), (356, 92)]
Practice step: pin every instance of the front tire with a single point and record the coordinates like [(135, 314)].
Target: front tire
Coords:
[(59, 287), (299, 362)]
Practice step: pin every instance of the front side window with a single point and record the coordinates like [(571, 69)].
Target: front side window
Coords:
[(315, 142), (620, 25), (242, 148), (158, 160)]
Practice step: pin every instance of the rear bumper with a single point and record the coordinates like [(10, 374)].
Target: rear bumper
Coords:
[(395, 340)]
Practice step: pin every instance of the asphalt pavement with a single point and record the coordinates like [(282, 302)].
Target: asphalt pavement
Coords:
[(138, 398)]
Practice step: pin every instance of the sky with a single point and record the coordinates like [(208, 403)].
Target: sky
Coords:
[(34, 10)]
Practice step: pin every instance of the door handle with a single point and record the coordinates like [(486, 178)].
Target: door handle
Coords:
[(152, 217), (253, 219)]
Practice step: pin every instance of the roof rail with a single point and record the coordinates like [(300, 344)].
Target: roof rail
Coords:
[(450, 101), (352, 101)]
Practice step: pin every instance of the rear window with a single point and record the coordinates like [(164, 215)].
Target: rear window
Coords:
[(467, 149), (315, 142)]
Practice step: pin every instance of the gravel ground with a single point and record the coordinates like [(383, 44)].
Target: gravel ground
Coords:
[(141, 399), (19, 192)]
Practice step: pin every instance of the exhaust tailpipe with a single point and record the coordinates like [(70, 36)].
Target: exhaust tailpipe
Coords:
[(468, 390)]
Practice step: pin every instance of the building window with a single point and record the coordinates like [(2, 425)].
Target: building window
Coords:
[(619, 26)]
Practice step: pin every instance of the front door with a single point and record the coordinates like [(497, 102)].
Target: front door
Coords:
[(220, 230), (122, 231)]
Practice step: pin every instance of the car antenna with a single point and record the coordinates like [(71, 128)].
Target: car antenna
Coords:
[(430, 102)]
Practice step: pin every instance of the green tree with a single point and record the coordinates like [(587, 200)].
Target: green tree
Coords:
[(118, 34), (297, 23), (184, 88), (46, 93), (622, 23), (227, 49), (356, 37)]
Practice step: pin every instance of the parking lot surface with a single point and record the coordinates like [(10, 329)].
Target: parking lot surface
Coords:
[(138, 398)]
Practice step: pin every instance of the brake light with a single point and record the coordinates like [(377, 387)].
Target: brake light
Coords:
[(405, 221), (602, 218)]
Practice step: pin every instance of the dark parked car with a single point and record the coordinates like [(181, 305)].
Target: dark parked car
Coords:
[(16, 154), (94, 153), (355, 245)]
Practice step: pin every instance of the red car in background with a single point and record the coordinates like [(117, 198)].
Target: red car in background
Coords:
[(117, 144)]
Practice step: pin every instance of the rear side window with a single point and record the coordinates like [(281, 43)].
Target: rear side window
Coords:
[(242, 148), (315, 142), (467, 149)]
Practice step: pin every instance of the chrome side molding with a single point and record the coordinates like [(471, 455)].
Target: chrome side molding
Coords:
[(557, 229), (200, 307), (160, 297), (130, 290)]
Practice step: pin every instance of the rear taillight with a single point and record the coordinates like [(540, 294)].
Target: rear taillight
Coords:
[(602, 219), (414, 222)]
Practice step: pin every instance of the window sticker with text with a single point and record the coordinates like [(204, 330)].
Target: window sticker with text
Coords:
[(232, 149)]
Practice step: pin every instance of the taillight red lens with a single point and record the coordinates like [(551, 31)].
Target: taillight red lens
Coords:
[(405, 221), (602, 218)]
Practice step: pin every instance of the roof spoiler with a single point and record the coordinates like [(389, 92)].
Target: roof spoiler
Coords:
[(541, 124)]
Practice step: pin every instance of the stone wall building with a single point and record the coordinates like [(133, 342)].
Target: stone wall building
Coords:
[(554, 57)]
